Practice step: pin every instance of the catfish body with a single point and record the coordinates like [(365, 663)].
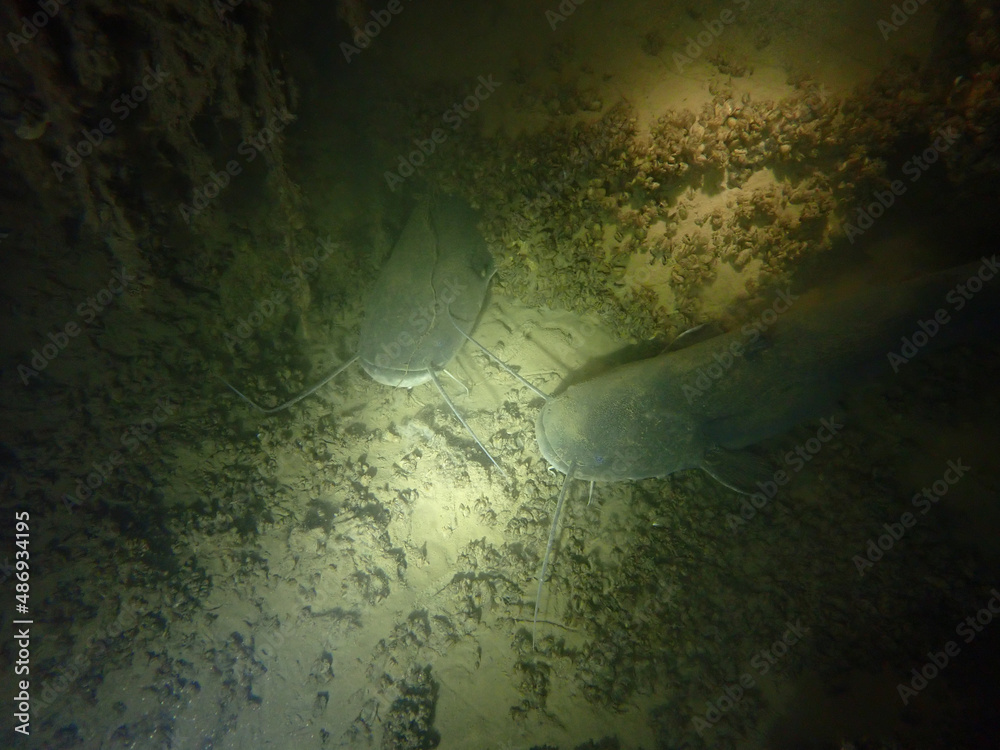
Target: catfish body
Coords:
[(697, 406), (440, 266)]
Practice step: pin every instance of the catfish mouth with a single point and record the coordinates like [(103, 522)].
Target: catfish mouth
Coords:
[(545, 447), (587, 472), (586, 465), (396, 377)]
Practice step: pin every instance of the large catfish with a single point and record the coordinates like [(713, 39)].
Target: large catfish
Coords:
[(698, 405)]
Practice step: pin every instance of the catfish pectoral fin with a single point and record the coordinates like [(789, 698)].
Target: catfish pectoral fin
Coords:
[(740, 471)]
